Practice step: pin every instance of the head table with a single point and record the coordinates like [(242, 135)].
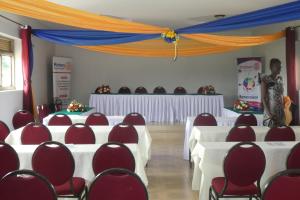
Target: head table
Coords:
[(161, 108), (101, 134)]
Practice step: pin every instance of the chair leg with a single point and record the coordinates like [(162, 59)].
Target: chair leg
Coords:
[(209, 196), (250, 198)]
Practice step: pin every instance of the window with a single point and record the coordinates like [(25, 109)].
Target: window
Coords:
[(7, 69)]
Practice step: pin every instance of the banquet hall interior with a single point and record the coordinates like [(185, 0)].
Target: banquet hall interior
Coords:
[(159, 100)]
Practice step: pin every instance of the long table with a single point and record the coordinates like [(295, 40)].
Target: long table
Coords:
[(101, 134), (208, 158), (158, 108)]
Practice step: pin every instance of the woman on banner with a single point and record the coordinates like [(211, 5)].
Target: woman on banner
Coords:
[(272, 96)]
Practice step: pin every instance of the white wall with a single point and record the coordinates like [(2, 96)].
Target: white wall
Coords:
[(11, 101), (92, 69)]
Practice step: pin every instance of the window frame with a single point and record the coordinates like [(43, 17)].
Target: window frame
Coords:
[(13, 71)]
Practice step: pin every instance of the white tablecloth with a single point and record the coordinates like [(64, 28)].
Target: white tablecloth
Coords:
[(83, 156), (158, 108), (101, 134), (228, 119), (209, 156), (112, 120)]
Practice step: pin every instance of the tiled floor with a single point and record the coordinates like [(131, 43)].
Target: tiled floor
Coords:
[(169, 175)]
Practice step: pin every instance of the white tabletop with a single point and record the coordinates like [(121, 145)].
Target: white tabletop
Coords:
[(101, 134), (208, 158)]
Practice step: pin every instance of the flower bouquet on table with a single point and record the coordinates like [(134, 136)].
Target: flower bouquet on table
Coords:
[(208, 89), (75, 106), (103, 89), (241, 105)]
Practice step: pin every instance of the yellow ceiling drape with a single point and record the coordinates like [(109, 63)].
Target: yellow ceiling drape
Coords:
[(51, 12)]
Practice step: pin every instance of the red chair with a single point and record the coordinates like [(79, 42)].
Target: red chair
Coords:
[(117, 184), (282, 133), (113, 155), (4, 131), (58, 107), (55, 161), (8, 158), (21, 118), (180, 90), (246, 119), (60, 120), (283, 186), (124, 90), (243, 167), (141, 90), (80, 134), (26, 184), (134, 119), (123, 133), (293, 161), (96, 119), (35, 133), (205, 119), (159, 90), (42, 111), (241, 134)]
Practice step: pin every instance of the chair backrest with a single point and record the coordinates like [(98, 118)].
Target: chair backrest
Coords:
[(281, 133), (21, 118), (246, 119), (35, 133), (123, 133), (134, 119), (4, 130), (293, 159), (241, 134), (205, 119), (141, 90), (26, 184), (159, 90), (180, 90), (60, 120), (8, 158), (283, 185), (128, 185), (244, 164), (124, 90), (96, 119), (58, 107), (80, 134), (54, 161), (42, 111), (113, 155)]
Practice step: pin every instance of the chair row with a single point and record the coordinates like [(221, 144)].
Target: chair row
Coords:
[(53, 165), (157, 90), (243, 168)]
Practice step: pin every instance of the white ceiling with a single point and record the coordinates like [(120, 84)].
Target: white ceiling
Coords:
[(169, 13)]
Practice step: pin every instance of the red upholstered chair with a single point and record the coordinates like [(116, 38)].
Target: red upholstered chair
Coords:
[(21, 118), (283, 185), (205, 119), (55, 161), (282, 133), (246, 119), (42, 111), (241, 134), (123, 133), (134, 119), (96, 119), (141, 90), (60, 120), (58, 107), (159, 90), (80, 134), (117, 184), (243, 167), (4, 131), (35, 133), (26, 184), (293, 161), (113, 155), (180, 90), (8, 158), (124, 90)]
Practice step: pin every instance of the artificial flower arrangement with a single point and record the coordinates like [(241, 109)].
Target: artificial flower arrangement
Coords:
[(103, 89), (209, 89), (75, 106), (241, 105)]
